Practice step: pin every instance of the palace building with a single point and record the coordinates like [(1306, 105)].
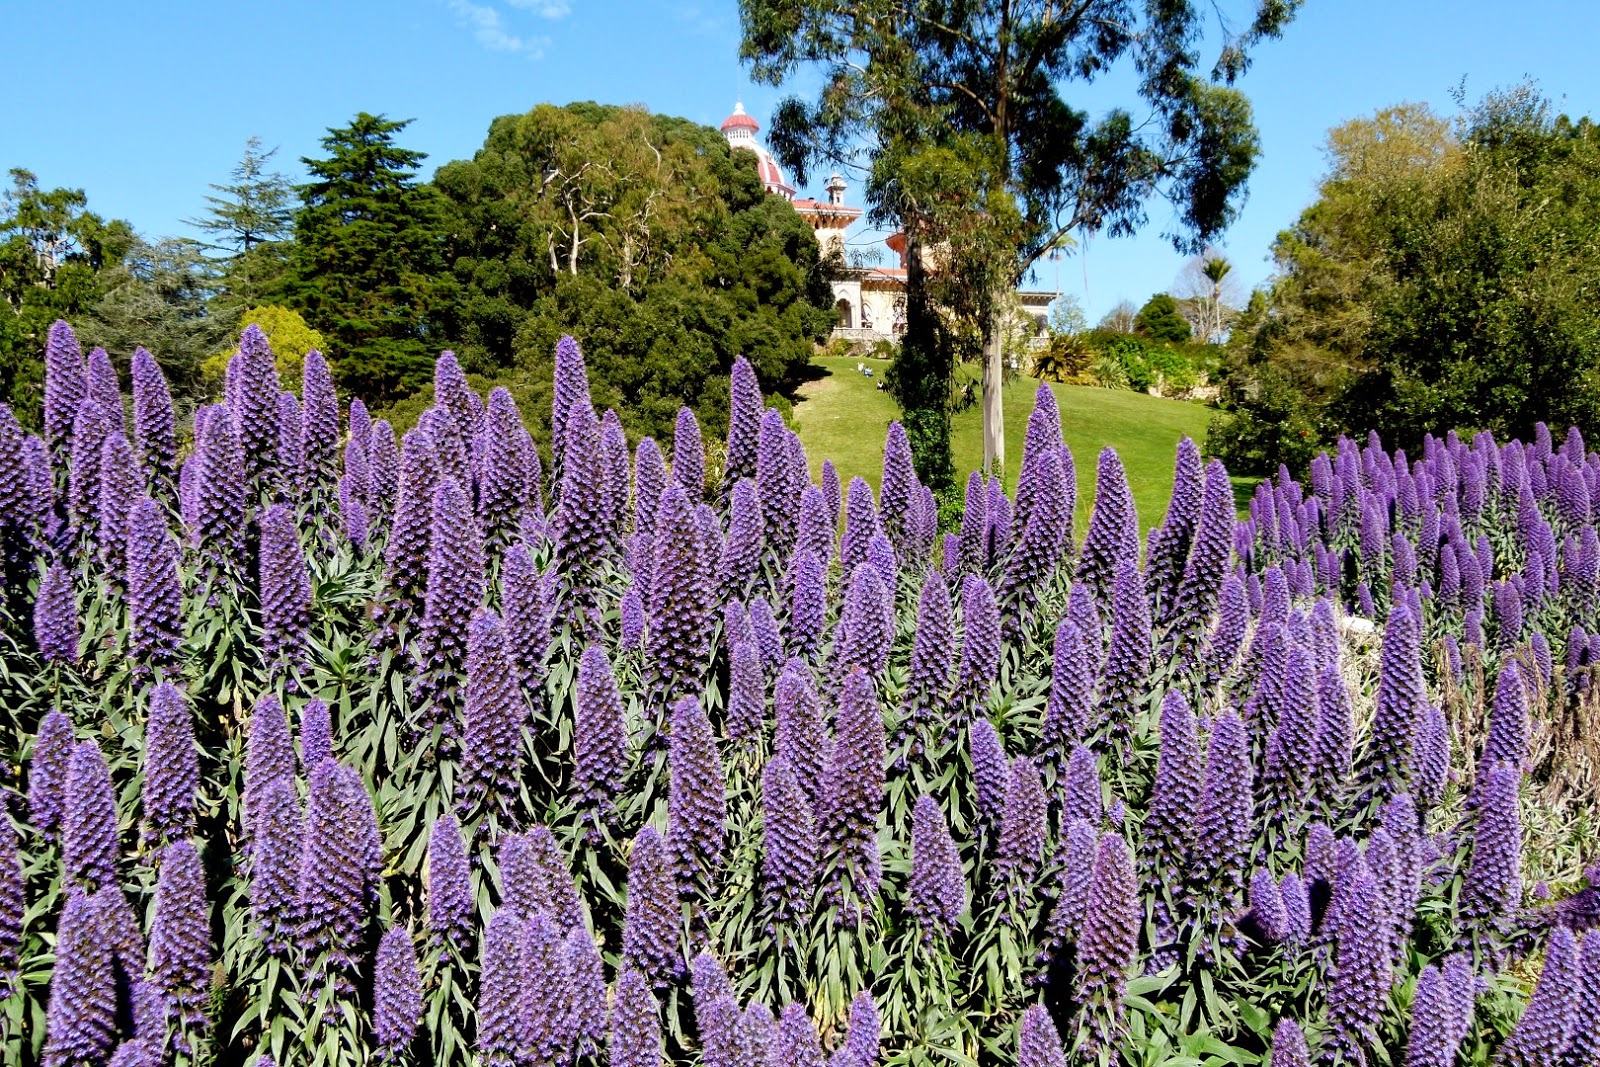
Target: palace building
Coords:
[(871, 300)]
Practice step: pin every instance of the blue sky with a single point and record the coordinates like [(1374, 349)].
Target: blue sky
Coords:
[(142, 105)]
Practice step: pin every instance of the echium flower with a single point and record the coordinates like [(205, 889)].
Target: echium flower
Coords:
[(861, 525), (1000, 520), (1038, 550), (1433, 1041), (120, 484), (499, 1015), (1110, 938), (66, 386), (1508, 719), (650, 924), (1289, 1046), (755, 1032), (1493, 887), (383, 460), (1038, 1042), (547, 1005), (590, 1013), (867, 626), (1080, 793), (991, 770), (455, 591), (13, 905), (405, 576), (1227, 636), (716, 1013), (47, 773), (635, 1022), (773, 477), (698, 803), (1358, 987), (526, 612), (794, 1041), (974, 536), (1168, 830), (808, 604), (81, 1019), (1206, 569), (767, 637), (680, 610), (1332, 752), (571, 381), (932, 653), (1069, 705), (451, 910), (689, 456), (55, 616), (396, 993), (285, 587), (797, 711), (180, 935), (275, 841), (340, 862), (453, 396), (741, 555), (744, 423), (1401, 701), (1124, 683), (1023, 827), (853, 787), (89, 432), (220, 492), (89, 821), (155, 594), (491, 745), (816, 532), (291, 447), (319, 425), (268, 754), (579, 528), (252, 395), (1113, 536), (1586, 1032), (789, 862), (1222, 828), (936, 894), (1169, 543), (649, 481), (316, 733), (500, 488), (981, 645), (1266, 907), (898, 487), (744, 722), (171, 767), (355, 520), (599, 734)]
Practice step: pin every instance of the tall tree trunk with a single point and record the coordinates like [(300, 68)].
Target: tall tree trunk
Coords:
[(994, 423)]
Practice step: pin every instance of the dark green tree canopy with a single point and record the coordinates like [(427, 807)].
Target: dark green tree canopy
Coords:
[(1160, 320)]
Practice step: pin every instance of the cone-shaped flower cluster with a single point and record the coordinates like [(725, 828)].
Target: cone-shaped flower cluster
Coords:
[(491, 744), (172, 767), (698, 804)]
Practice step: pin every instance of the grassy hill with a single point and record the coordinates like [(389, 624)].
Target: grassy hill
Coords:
[(843, 416)]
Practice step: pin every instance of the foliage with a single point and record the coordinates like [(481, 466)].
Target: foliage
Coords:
[(1135, 361), (978, 156), (1159, 320), (1442, 278), (251, 220), (363, 269), (53, 251), (1066, 315)]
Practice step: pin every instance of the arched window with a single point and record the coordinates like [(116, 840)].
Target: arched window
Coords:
[(846, 315)]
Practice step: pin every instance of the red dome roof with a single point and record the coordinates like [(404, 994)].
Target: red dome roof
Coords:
[(739, 120)]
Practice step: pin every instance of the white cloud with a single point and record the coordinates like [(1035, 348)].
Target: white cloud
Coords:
[(545, 9), (489, 29)]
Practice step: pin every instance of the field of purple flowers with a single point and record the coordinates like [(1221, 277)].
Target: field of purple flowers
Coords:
[(331, 748)]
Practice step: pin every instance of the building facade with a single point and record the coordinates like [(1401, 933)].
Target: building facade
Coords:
[(871, 300)]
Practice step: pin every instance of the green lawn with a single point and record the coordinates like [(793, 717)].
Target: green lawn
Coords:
[(843, 417)]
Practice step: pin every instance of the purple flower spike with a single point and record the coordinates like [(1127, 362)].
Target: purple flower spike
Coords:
[(319, 435), (635, 1023), (47, 773), (1508, 719), (867, 628), (1124, 684), (269, 754), (579, 527), (1401, 701), (66, 386), (808, 604), (546, 1007), (680, 609), (491, 747), (89, 820), (500, 475), (384, 460), (396, 993), (405, 574), (155, 592), (816, 528), (220, 492), (121, 483), (451, 910), (55, 617), (747, 696), (1113, 536), (1223, 829), (285, 588), (316, 734), (744, 422), (932, 652), (252, 393), (899, 486), (974, 535), (797, 710), (794, 1043), (866, 1033), (599, 733), (853, 788), (1046, 529), (591, 1016), (698, 802), (741, 556), (650, 927), (1586, 1032), (1358, 988), (275, 826), (981, 647), (789, 864), (1110, 939), (339, 867), (526, 612), (1068, 710), (499, 1017), (937, 892), (1170, 542), (171, 767), (1289, 1046), (689, 456), (1175, 797), (1493, 887), (990, 770), (1038, 1043), (775, 479), (1204, 574), (1080, 793), (1266, 906), (1023, 826), (180, 936), (80, 1022), (650, 479), (571, 380), (1433, 1041), (455, 591), (13, 908)]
